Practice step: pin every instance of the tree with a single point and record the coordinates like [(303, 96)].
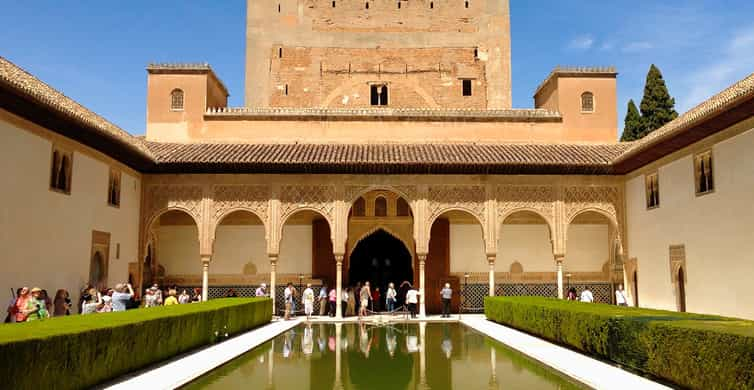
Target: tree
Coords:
[(633, 124), (657, 106)]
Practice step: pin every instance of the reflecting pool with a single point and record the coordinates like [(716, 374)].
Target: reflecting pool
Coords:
[(385, 357)]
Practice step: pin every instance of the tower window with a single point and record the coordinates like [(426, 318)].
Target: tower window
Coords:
[(703, 173), (366, 5), (280, 52), (399, 5), (431, 4), (176, 100), (467, 4), (113, 188), (378, 95), (278, 7), (285, 92), (476, 53), (380, 207), (653, 191), (333, 4), (61, 169), (587, 102), (466, 87)]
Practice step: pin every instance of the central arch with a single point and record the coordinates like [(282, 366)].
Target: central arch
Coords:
[(380, 258)]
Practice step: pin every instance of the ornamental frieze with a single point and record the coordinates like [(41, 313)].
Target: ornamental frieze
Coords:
[(538, 198), (164, 197), (469, 198), (248, 197), (605, 199), (320, 198)]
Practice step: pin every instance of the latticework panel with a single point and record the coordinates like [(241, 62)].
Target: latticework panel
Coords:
[(472, 295)]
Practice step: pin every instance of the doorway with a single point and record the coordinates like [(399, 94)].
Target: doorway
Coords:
[(681, 291), (380, 259)]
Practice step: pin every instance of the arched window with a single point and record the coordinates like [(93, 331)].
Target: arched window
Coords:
[(359, 208), (113, 189), (64, 182), (380, 207), (378, 95), (55, 169), (587, 102), (176, 100), (60, 171), (402, 209)]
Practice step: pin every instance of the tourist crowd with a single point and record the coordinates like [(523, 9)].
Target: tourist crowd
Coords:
[(35, 304)]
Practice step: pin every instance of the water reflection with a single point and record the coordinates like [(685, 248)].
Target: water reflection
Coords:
[(393, 356)]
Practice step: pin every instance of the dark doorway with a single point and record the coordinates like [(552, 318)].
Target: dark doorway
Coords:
[(681, 291), (636, 290), (380, 259)]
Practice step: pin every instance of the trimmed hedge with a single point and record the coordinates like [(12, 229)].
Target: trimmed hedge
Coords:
[(82, 351), (691, 350)]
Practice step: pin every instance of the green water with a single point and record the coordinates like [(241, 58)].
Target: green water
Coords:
[(386, 357)]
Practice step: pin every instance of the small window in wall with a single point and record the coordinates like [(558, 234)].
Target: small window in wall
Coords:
[(359, 208), (279, 8), (366, 5), (61, 170), (176, 100), (285, 91), (653, 191), (280, 52), (431, 4), (587, 102), (467, 4), (466, 87), (402, 209), (333, 4), (378, 95), (113, 188), (399, 5), (380, 207), (703, 173)]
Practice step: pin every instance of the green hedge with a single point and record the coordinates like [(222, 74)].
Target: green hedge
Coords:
[(81, 351), (691, 350)]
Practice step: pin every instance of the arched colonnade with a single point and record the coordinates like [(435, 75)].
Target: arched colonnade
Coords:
[(272, 204)]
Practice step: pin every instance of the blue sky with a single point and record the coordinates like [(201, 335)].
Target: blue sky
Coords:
[(96, 52)]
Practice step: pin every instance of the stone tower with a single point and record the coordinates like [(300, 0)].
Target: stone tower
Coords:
[(389, 53)]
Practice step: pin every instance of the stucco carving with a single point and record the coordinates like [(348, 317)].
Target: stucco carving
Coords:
[(353, 191), (536, 198), (248, 197), (604, 199), (320, 198), (468, 198), (163, 197)]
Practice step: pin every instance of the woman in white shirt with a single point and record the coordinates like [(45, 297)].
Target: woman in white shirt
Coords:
[(412, 298), (390, 297)]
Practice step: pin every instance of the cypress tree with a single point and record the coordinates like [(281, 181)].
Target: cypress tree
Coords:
[(633, 124), (657, 106)]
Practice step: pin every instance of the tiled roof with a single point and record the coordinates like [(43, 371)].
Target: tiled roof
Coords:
[(23, 83), (423, 114), (389, 158)]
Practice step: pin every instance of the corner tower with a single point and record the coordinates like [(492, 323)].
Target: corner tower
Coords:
[(395, 53)]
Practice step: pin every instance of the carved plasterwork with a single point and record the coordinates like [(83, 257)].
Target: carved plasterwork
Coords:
[(603, 199), (467, 198), (254, 198), (353, 191), (159, 198), (297, 197), (538, 199)]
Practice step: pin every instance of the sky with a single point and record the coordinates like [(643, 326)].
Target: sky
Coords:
[(96, 51)]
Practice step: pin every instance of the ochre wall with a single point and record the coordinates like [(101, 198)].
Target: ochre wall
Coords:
[(716, 228), (46, 236), (316, 24)]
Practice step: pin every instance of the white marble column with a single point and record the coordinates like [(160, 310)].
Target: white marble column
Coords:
[(338, 286), (491, 263), (559, 266), (422, 306), (273, 275), (205, 277)]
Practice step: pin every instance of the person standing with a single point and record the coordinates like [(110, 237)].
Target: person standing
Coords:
[(390, 297), (333, 298), (308, 298), (364, 296), (288, 297), (572, 294), (376, 302), (62, 303), (620, 296), (171, 299), (323, 300), (261, 290), (35, 306), (12, 309), (345, 302), (122, 295), (184, 297), (197, 295), (586, 295), (150, 299), (446, 294), (412, 299)]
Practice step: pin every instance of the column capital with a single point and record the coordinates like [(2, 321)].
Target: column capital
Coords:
[(273, 258), (559, 257), (491, 258), (339, 258), (205, 259), (422, 257)]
